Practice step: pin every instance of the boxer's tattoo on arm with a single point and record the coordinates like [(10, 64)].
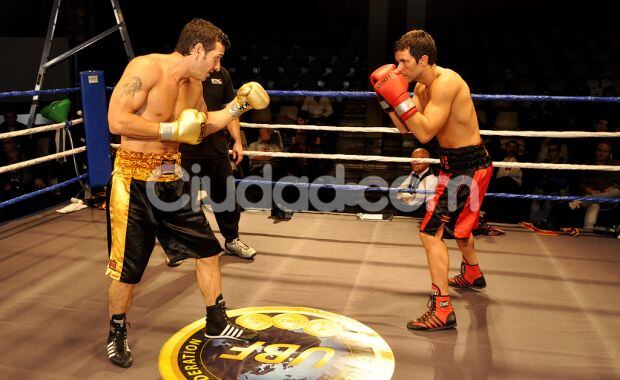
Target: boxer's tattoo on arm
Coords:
[(132, 87)]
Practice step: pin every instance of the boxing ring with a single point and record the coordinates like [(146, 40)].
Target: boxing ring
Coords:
[(549, 311)]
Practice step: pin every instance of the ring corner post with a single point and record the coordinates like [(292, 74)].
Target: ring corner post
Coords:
[(94, 106)]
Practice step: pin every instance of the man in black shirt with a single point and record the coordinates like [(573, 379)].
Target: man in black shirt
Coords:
[(211, 157)]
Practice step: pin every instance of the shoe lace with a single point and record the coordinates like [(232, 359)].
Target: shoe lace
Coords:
[(431, 309), (120, 339), (241, 244)]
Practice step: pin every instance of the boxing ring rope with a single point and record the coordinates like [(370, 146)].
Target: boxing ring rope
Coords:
[(44, 128), (498, 164), (353, 94), (351, 157), (360, 95), (482, 97), (96, 132), (369, 94), (46, 190), (38, 160), (379, 189), (29, 93), (485, 132)]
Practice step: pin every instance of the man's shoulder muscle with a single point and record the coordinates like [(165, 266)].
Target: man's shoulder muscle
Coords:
[(147, 66)]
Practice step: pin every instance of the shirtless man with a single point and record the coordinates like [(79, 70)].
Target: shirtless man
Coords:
[(441, 107), (156, 105)]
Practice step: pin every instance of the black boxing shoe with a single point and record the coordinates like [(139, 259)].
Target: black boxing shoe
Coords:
[(173, 263), (117, 347), (219, 326)]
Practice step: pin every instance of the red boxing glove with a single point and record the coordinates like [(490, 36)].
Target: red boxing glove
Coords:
[(392, 86)]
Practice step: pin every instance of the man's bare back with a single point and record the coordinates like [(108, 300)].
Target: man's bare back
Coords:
[(461, 128)]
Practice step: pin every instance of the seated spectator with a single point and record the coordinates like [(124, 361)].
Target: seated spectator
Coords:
[(550, 182), (545, 156), (507, 180), (319, 109), (16, 182), (581, 149), (287, 114), (10, 124), (512, 177), (267, 143), (264, 143), (421, 179), (310, 167), (303, 117), (598, 184)]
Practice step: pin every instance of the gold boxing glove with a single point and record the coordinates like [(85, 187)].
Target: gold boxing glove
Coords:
[(189, 128), (250, 96)]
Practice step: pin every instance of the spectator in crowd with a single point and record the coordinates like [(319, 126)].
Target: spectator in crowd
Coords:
[(311, 168), (545, 156), (550, 182), (422, 180), (319, 108), (265, 143), (10, 124), (583, 148), (16, 182), (303, 117), (598, 184), (507, 180)]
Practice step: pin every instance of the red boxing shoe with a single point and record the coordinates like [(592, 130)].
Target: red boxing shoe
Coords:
[(440, 315), (470, 277)]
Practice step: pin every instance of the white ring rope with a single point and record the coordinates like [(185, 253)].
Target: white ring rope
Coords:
[(500, 164), (34, 161), (570, 134), (44, 128)]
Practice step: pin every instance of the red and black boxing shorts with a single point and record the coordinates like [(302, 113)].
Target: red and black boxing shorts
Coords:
[(145, 202), (462, 184)]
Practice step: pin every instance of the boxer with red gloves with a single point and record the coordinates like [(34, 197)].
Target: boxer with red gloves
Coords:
[(441, 107)]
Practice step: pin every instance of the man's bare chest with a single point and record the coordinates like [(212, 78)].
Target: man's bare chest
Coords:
[(166, 101)]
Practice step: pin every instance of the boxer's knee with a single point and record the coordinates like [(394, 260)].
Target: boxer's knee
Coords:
[(465, 243), (209, 263), (431, 240)]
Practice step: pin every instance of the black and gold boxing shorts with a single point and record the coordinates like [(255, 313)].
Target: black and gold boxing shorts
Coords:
[(145, 202)]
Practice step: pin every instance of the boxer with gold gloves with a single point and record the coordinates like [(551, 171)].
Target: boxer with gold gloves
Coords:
[(157, 104)]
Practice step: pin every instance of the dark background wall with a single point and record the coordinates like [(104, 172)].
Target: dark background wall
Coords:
[(538, 25)]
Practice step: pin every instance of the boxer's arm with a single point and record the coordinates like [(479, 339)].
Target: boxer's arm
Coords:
[(129, 98), (425, 126), (402, 128), (216, 120), (235, 130), (398, 122)]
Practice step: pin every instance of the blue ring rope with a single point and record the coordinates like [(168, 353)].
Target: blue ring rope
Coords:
[(532, 98), (399, 190), (363, 94), (42, 191), (39, 92)]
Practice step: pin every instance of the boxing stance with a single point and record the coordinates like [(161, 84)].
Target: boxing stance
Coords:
[(157, 104), (441, 107)]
